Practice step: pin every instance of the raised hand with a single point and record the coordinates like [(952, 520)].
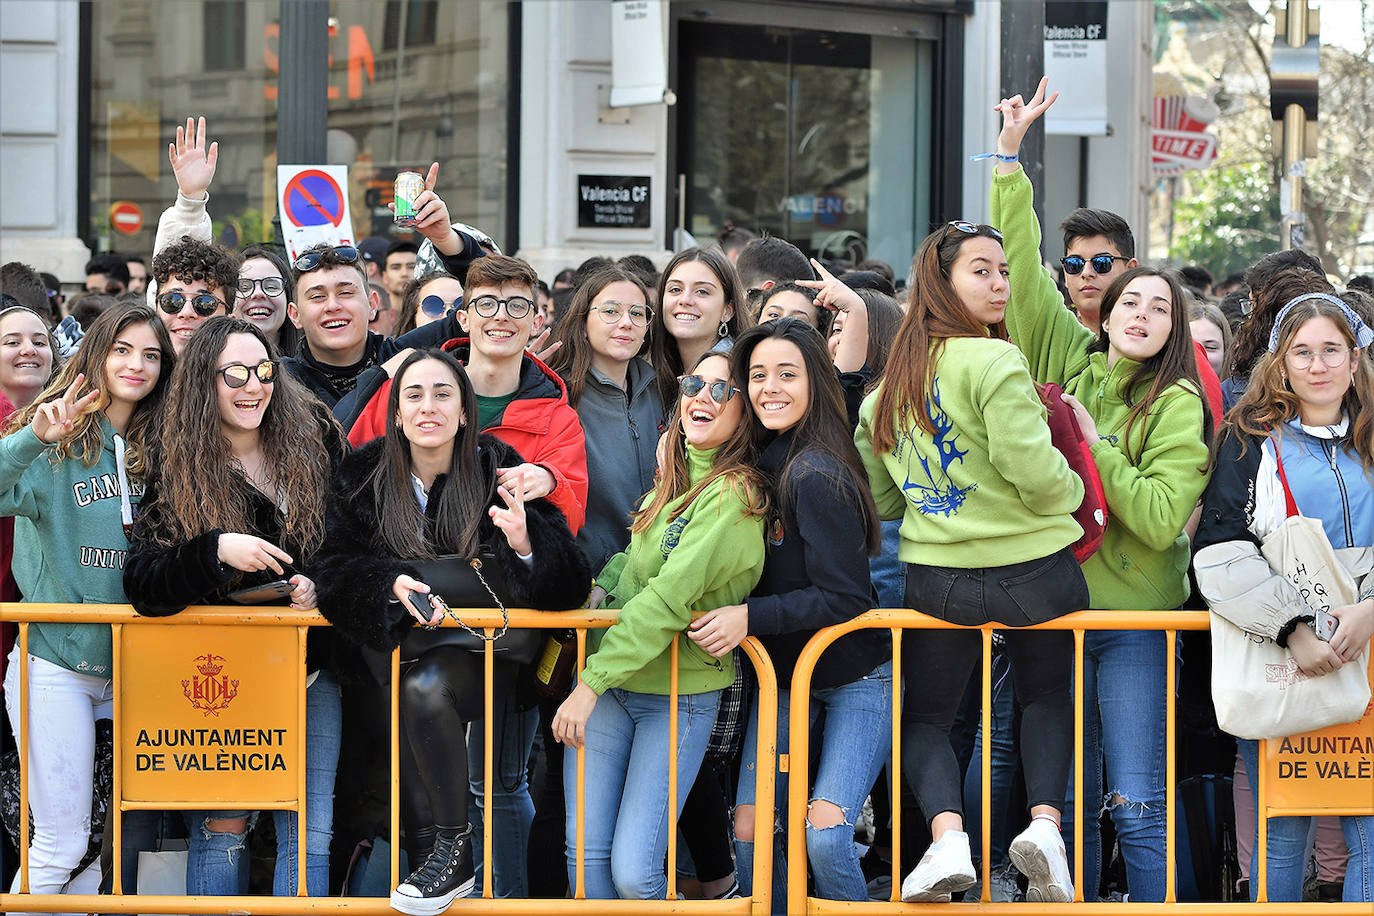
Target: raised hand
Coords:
[(830, 292), (54, 419), (192, 163), (250, 554), (1018, 115), (511, 520)]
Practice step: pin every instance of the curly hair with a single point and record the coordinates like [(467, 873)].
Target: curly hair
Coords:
[(202, 486), (189, 260), (86, 439), (1252, 340)]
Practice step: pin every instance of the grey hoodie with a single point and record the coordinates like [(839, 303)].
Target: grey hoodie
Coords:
[(622, 432)]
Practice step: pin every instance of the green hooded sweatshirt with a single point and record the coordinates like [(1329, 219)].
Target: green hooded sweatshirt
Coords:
[(695, 558), (988, 488), (1151, 489), (69, 542)]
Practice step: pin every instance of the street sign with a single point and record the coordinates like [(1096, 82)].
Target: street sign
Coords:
[(313, 206), (126, 217)]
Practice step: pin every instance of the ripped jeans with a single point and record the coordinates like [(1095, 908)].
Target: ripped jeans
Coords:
[(1124, 729), (855, 723)]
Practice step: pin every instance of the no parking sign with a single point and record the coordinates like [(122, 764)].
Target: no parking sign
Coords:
[(313, 204)]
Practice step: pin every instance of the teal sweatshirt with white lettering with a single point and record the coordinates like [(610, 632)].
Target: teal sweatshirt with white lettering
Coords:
[(69, 542)]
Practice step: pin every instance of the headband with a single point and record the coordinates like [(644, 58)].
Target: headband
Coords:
[(21, 308), (1363, 335)]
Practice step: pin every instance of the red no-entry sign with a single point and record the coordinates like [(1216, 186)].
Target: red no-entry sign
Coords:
[(126, 217)]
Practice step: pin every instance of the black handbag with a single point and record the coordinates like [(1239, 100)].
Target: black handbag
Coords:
[(470, 582)]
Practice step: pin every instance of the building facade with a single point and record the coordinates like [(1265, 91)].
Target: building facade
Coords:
[(843, 126)]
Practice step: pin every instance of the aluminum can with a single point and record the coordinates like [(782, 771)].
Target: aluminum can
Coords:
[(408, 187)]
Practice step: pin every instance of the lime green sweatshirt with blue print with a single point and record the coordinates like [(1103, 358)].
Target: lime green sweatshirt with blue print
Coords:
[(988, 488), (1151, 488), (691, 558), (69, 541)]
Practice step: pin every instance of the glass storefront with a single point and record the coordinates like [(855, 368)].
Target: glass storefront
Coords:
[(822, 138), (410, 82)]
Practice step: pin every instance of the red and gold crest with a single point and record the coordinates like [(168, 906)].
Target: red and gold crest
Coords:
[(211, 689)]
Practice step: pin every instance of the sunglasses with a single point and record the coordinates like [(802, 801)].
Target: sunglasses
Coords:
[(1102, 263), (517, 307), (204, 303), (720, 392), (973, 228), (271, 286), (236, 375), (435, 306), (342, 254)]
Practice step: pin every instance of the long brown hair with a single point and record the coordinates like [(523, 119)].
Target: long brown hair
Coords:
[(1268, 402), (823, 428), (663, 350), (1175, 362), (202, 486), (573, 360), (935, 313), (734, 461), (467, 491), (85, 441)]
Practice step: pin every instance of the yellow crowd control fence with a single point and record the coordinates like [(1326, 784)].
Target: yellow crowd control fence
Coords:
[(222, 677), (1353, 792)]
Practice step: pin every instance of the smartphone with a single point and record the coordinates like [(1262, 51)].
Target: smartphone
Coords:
[(270, 593), (1325, 626), (423, 604)]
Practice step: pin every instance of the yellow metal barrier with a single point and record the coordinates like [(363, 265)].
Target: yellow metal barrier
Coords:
[(119, 616), (798, 755)]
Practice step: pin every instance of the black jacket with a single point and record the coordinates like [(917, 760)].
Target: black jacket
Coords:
[(815, 569), (160, 581), (354, 571)]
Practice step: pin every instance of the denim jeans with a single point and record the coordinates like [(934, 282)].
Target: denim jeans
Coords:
[(1123, 728), (887, 572), (1286, 849), (855, 722), (626, 802), (1003, 768), (512, 735), (217, 861), (63, 709)]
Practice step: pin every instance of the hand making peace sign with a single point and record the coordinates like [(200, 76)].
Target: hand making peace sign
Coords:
[(54, 419)]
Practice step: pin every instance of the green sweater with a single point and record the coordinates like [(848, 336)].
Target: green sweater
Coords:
[(988, 489), (698, 558), (69, 543), (1151, 490)]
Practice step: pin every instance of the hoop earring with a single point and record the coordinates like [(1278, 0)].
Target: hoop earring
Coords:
[(724, 329)]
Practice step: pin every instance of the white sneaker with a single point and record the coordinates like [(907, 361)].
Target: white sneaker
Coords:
[(945, 869), (1039, 854)]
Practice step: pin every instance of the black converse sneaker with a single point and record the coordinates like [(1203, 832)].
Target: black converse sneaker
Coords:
[(446, 875)]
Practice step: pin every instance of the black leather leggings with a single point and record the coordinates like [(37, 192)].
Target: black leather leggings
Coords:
[(440, 693)]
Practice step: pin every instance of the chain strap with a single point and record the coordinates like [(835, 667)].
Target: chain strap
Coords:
[(505, 618)]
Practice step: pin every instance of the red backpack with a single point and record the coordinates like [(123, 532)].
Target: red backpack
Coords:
[(1091, 514)]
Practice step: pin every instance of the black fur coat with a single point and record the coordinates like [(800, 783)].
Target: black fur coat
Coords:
[(354, 570)]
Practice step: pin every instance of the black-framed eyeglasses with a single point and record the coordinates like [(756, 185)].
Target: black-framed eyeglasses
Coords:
[(204, 303), (236, 375), (1102, 263), (271, 286), (612, 312), (965, 226), (720, 392), (517, 307), (342, 254), (435, 306)]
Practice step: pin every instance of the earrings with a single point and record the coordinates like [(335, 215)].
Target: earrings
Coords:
[(724, 329)]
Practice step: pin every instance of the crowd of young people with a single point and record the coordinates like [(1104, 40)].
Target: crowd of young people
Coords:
[(750, 447)]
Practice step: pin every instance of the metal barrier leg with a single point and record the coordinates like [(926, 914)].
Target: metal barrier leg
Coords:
[(672, 767), (488, 675), (301, 833), (580, 877), (985, 792), (117, 799), (395, 767), (766, 751), (22, 739), (1170, 764), (1078, 890), (898, 694)]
